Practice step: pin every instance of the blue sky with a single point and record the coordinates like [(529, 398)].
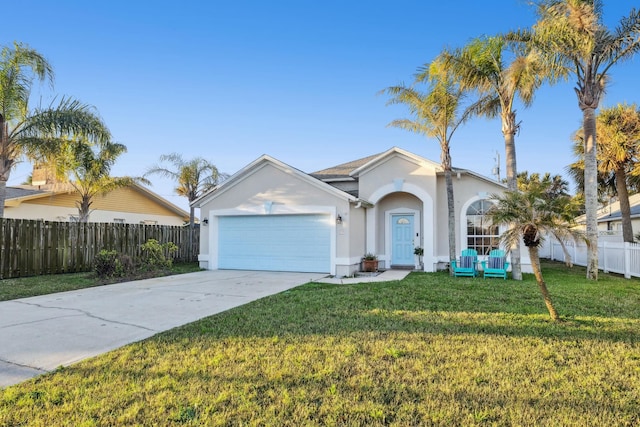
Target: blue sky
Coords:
[(298, 80)]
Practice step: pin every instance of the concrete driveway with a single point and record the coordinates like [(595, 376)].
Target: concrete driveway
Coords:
[(39, 334)]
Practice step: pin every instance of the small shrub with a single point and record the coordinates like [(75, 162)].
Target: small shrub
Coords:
[(153, 254), (126, 266), (106, 264)]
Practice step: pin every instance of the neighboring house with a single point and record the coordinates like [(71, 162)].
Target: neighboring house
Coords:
[(271, 216), (610, 218), (134, 204)]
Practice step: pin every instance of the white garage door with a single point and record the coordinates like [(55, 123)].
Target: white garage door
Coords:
[(275, 243)]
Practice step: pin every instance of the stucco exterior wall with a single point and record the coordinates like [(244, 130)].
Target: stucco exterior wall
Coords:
[(397, 171), (353, 229), (269, 190), (397, 175)]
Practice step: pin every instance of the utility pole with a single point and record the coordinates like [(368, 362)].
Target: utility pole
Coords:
[(496, 169)]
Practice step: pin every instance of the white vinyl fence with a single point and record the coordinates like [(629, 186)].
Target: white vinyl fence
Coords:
[(613, 257)]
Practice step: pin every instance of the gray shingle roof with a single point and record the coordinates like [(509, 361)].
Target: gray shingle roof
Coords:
[(343, 170), (18, 192), (616, 215)]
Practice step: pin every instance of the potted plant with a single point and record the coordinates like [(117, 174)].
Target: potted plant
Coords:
[(370, 262), (419, 252)]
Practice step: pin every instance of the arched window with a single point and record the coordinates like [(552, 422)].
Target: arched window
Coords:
[(481, 236)]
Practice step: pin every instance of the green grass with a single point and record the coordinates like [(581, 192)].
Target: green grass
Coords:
[(41, 285), (429, 350)]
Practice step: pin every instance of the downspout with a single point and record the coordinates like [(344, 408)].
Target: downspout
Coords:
[(358, 206)]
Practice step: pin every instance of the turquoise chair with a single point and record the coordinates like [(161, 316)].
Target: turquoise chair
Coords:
[(468, 264), (496, 265)]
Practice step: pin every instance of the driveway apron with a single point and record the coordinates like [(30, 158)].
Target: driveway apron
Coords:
[(39, 334)]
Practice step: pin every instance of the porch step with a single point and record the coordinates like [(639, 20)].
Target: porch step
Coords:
[(403, 267)]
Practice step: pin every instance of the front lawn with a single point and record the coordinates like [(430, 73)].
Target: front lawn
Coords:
[(429, 350)]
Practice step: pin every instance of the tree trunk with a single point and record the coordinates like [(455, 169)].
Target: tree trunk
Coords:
[(3, 196), (5, 163), (625, 208), (535, 265), (591, 190), (191, 231), (84, 208), (509, 129), (451, 209), (451, 217)]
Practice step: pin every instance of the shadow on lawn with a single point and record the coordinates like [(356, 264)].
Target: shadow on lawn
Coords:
[(437, 304)]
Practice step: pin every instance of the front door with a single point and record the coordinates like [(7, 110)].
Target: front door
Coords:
[(402, 239)]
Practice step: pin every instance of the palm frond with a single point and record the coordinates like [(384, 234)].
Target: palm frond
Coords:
[(531, 215), (193, 177), (70, 119)]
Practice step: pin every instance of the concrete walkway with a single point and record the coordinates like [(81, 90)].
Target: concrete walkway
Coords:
[(385, 276), (39, 334)]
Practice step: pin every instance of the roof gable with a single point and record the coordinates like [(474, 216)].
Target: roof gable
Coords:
[(350, 170), (258, 164), (391, 153)]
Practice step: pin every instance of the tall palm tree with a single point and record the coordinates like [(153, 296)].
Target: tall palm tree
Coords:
[(193, 177), (532, 216), (500, 74), (43, 130), (437, 114), (570, 33), (87, 169), (618, 150)]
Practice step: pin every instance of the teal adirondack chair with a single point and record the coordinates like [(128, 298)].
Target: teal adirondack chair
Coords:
[(468, 264), (496, 265)]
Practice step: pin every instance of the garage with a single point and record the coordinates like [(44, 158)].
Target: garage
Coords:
[(299, 243)]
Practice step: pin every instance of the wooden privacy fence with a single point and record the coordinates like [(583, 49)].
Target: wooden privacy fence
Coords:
[(30, 248)]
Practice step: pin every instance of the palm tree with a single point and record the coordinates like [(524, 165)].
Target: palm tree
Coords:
[(194, 178), (500, 74), (437, 115), (570, 33), (532, 216), (43, 130), (554, 186), (618, 148), (88, 170)]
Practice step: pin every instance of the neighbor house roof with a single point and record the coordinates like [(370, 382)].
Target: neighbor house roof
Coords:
[(612, 212), (18, 194), (22, 193)]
